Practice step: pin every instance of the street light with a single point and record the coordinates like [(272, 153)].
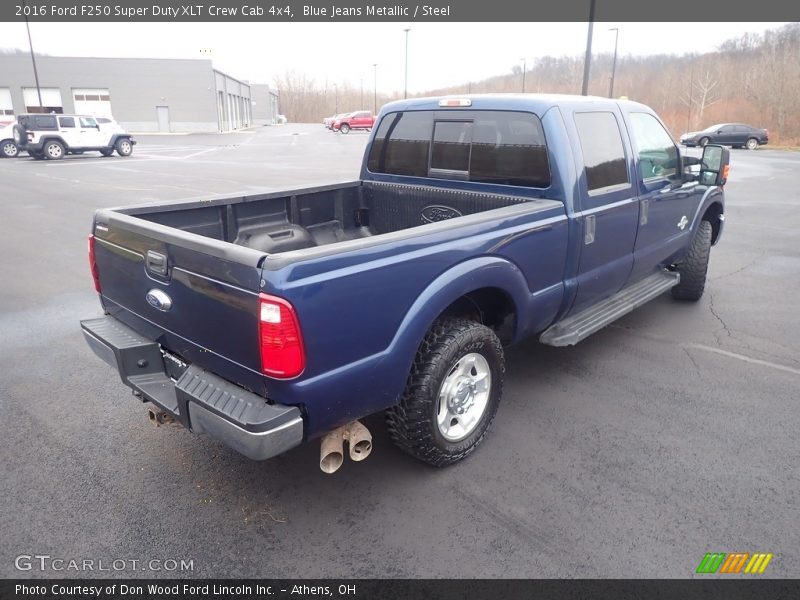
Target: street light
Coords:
[(524, 70), (33, 60), (361, 105), (375, 89), (405, 87), (614, 63), (587, 61), (336, 101)]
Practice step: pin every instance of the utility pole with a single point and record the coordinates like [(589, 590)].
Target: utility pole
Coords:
[(375, 89), (524, 70), (587, 61), (361, 104), (405, 86), (336, 99), (33, 59), (614, 63)]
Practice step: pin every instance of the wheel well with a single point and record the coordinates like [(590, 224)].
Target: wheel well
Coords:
[(712, 215), (489, 306)]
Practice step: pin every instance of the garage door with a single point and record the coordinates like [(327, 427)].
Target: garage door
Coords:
[(95, 102), (6, 108), (51, 100)]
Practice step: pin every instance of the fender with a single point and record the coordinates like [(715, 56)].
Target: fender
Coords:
[(118, 136), (714, 195), (465, 277)]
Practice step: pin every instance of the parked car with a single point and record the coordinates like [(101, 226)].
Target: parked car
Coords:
[(361, 119), (8, 147), (54, 136), (282, 317), (737, 135)]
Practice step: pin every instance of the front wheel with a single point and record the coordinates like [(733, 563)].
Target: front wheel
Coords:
[(751, 144), (703, 142), (452, 393), (693, 270), (124, 147), (345, 128)]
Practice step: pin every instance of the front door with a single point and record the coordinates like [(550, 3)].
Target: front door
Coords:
[(90, 134), (609, 208), (667, 203)]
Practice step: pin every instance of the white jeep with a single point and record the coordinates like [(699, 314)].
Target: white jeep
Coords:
[(54, 136)]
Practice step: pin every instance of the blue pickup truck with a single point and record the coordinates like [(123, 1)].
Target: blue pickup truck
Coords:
[(277, 318)]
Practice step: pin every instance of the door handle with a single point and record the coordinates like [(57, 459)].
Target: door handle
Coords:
[(588, 234)]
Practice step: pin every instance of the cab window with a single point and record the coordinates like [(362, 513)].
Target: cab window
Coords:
[(657, 153)]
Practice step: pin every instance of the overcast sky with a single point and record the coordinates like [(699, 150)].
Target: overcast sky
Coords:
[(439, 54)]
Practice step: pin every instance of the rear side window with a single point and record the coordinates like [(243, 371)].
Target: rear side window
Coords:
[(498, 147), (44, 122), (603, 153), (66, 122)]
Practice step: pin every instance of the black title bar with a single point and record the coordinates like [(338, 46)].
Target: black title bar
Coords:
[(396, 589), (401, 10)]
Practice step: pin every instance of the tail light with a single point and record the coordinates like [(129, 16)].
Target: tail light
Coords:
[(93, 265), (280, 339)]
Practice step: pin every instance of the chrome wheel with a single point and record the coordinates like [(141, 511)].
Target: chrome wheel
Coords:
[(125, 147), (463, 397)]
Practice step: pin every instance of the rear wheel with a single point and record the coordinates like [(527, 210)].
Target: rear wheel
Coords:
[(53, 150), (124, 147), (9, 149), (751, 144), (693, 270), (344, 128), (452, 393)]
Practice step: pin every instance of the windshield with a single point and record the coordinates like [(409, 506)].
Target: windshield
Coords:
[(713, 128)]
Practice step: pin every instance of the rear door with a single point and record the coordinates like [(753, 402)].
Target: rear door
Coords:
[(609, 207), (70, 132), (667, 204)]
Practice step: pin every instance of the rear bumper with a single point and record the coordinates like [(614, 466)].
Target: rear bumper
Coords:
[(198, 399)]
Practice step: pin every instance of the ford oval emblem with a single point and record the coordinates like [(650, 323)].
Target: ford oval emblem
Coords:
[(433, 214), (159, 300)]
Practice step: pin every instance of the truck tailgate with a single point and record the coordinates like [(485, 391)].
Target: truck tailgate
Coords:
[(195, 295)]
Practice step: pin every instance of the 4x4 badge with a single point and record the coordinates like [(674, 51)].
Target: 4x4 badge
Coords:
[(683, 223)]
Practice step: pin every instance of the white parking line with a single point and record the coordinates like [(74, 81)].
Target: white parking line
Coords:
[(742, 357)]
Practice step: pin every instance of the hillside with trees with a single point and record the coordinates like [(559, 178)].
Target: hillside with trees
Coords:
[(752, 79)]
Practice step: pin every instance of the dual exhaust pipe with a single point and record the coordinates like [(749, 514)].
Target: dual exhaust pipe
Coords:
[(358, 438)]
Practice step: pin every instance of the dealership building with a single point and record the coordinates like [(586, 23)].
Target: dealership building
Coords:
[(142, 94)]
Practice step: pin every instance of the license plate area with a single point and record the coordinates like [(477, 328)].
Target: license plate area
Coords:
[(173, 365)]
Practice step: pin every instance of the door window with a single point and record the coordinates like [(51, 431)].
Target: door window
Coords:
[(66, 122), (603, 152), (657, 153), (87, 122)]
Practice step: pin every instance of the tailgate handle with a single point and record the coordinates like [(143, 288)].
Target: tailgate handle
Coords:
[(157, 263)]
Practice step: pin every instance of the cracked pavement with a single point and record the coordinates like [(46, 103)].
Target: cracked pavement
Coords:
[(669, 434)]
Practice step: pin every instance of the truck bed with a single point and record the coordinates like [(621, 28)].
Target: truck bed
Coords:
[(313, 217)]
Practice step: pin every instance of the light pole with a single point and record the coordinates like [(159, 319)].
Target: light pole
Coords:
[(524, 70), (33, 59), (614, 63), (375, 89), (405, 86), (587, 61), (361, 105), (336, 99)]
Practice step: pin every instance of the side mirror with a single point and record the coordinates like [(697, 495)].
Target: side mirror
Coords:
[(714, 165)]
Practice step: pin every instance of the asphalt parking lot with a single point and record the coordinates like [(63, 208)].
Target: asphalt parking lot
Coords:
[(670, 434)]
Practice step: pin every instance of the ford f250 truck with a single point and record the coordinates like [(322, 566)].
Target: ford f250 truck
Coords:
[(278, 318)]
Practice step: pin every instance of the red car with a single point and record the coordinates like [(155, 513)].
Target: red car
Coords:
[(361, 119)]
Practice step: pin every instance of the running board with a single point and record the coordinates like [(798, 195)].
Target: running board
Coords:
[(579, 326)]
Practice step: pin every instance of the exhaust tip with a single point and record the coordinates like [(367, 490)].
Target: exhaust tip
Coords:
[(331, 462)]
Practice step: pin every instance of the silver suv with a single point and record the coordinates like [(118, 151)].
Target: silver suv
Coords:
[(54, 136)]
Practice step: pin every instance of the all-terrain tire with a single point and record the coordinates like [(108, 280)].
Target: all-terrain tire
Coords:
[(124, 147), (693, 270), (412, 423)]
